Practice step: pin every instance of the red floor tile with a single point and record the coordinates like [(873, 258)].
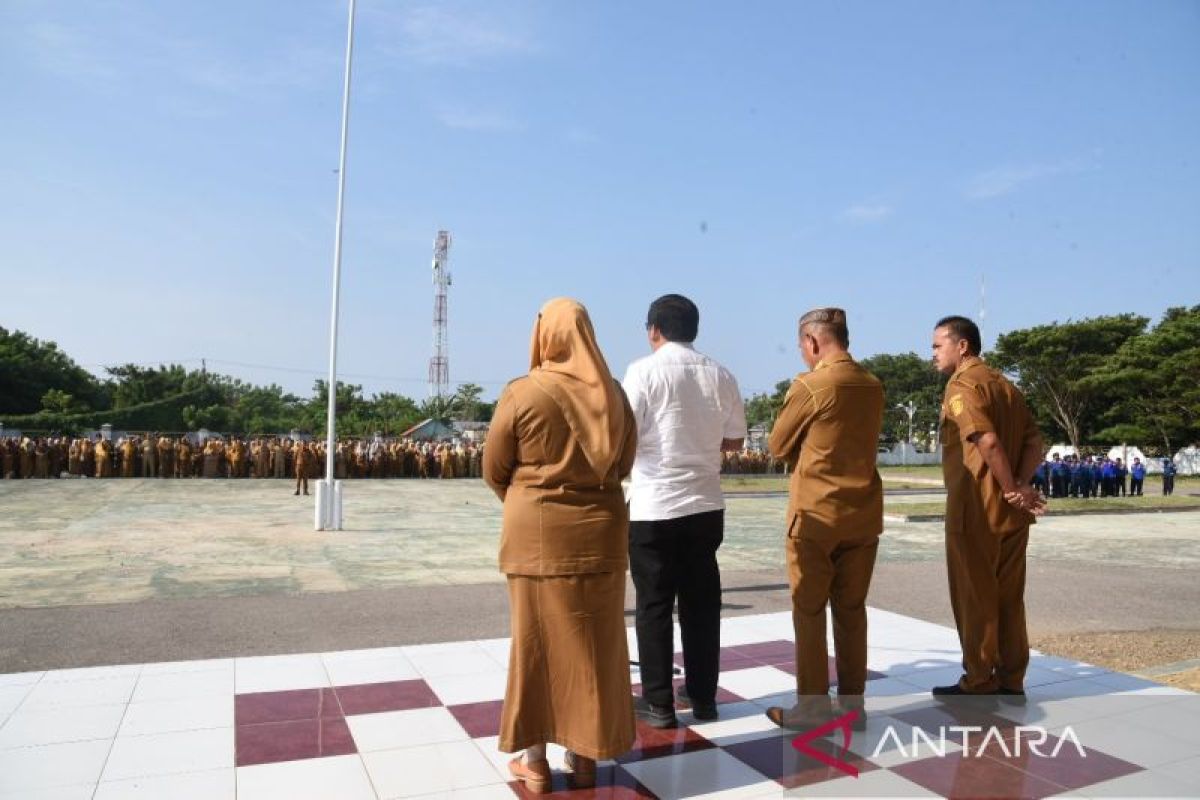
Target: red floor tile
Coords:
[(767, 652), (957, 775), (612, 783), (479, 719), (659, 742), (372, 698), (775, 757), (1068, 769), (723, 695), (289, 741), (261, 707)]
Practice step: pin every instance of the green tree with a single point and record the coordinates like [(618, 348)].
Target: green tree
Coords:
[(907, 378), (1151, 386), (762, 408), (1053, 365), (468, 401), (30, 368)]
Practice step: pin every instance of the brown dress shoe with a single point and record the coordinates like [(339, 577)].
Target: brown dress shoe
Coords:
[(535, 776), (583, 770)]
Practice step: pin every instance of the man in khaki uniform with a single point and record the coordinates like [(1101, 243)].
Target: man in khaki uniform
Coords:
[(128, 451), (828, 430), (990, 450), (303, 460)]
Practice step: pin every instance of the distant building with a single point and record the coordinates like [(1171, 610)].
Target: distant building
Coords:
[(430, 430)]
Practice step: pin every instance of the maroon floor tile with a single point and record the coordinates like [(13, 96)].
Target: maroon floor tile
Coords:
[(272, 742), (789, 666), (612, 783), (775, 757), (776, 651), (659, 742), (1068, 769), (372, 698), (959, 775), (729, 660), (479, 719), (261, 707), (723, 695)]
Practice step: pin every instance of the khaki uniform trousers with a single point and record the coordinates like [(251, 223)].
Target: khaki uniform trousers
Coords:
[(987, 594), (838, 574)]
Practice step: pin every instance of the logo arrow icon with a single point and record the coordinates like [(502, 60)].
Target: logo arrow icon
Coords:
[(802, 743)]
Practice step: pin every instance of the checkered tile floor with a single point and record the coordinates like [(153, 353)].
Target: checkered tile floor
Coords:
[(422, 721)]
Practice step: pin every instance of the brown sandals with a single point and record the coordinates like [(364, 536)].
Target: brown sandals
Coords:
[(535, 776)]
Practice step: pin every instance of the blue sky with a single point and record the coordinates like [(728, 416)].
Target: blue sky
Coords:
[(169, 174)]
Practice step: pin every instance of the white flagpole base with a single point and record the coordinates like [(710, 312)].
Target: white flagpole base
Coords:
[(328, 514)]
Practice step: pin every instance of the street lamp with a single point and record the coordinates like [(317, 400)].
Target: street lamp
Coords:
[(909, 408)]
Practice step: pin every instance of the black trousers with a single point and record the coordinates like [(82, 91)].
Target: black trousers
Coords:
[(1168, 484), (1135, 486), (677, 559)]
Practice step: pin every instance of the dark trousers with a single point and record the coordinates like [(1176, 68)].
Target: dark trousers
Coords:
[(1135, 486), (677, 559), (1168, 484)]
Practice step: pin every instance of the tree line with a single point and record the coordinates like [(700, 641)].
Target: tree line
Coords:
[(43, 389), (1096, 381)]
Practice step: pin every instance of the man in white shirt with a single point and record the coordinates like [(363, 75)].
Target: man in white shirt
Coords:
[(688, 410)]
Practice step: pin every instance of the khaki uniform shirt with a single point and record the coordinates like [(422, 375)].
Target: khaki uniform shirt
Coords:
[(980, 400), (559, 517), (828, 432)]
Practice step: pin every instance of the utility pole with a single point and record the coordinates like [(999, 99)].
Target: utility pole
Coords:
[(439, 362), (909, 408)]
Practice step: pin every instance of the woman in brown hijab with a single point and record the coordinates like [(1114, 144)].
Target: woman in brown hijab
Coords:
[(561, 440)]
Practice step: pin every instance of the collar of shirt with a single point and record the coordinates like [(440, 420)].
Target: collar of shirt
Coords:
[(831, 360), (667, 344), (966, 364)]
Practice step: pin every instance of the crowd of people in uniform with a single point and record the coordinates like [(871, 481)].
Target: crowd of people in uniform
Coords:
[(155, 456), (1097, 476), (748, 461)]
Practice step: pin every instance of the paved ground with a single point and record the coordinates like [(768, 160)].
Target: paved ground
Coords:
[(102, 572)]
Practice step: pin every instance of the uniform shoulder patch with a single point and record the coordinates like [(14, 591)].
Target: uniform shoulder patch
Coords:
[(956, 405)]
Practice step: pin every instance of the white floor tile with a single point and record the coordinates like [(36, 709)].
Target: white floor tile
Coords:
[(218, 784), (757, 682), (739, 722), (1186, 772), (192, 714), (381, 669), (455, 690), (92, 673), (33, 727), (701, 774), (29, 768), (20, 678), (1120, 737), (877, 783), (12, 696), (497, 649), (1178, 718), (80, 791), (77, 694), (928, 678), (204, 665), (341, 777), (169, 753), (1140, 784), (214, 685), (279, 673), (394, 729), (467, 661), (423, 770)]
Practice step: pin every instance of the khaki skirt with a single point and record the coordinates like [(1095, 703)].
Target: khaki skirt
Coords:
[(568, 676)]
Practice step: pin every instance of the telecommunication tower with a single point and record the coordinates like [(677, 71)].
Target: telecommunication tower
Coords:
[(439, 363)]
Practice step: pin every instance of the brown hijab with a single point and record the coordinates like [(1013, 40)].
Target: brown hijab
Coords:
[(566, 363)]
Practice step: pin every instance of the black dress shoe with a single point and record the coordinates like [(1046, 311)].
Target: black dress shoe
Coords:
[(705, 712), (654, 716)]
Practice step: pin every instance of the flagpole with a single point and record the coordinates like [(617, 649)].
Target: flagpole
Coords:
[(329, 505)]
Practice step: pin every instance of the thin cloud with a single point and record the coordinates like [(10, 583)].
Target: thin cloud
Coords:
[(465, 120), (866, 212), (1007, 179), (438, 36)]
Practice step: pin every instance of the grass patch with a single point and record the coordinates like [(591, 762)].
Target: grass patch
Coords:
[(1067, 505)]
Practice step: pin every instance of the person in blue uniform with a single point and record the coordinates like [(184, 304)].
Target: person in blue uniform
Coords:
[(1168, 477), (1137, 474)]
